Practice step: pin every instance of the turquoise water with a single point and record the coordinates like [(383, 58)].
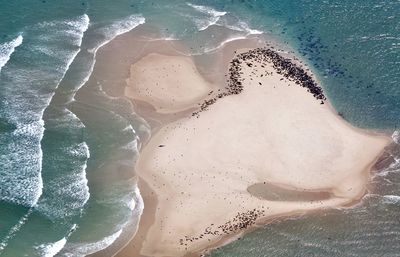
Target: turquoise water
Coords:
[(63, 139)]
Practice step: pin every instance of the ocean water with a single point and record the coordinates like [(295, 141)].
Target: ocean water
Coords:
[(67, 149)]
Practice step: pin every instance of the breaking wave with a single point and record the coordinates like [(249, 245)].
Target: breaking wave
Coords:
[(212, 18), (6, 50), (391, 199), (49, 250), (86, 248)]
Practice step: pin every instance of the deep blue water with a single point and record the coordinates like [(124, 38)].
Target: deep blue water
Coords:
[(61, 140)]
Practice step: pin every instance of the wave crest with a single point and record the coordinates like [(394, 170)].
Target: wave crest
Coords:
[(6, 50), (391, 199), (396, 136), (213, 16), (49, 250), (86, 248), (117, 28)]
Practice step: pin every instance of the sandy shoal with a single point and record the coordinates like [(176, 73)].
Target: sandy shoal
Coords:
[(200, 172)]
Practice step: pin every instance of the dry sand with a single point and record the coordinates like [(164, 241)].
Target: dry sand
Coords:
[(160, 81), (271, 150)]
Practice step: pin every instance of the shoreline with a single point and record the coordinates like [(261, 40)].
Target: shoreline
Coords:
[(229, 238)]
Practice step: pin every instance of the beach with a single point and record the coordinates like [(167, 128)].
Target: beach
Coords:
[(262, 143)]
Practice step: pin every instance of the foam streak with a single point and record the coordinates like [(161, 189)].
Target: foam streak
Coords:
[(6, 50)]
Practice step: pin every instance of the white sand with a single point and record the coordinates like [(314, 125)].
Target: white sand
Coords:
[(271, 133), (161, 81)]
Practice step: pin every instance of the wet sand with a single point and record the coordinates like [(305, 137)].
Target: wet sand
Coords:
[(261, 145)]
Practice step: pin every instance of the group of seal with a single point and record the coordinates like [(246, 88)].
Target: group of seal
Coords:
[(241, 221), (284, 66)]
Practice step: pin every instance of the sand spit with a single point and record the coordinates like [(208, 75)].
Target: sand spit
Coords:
[(263, 145)]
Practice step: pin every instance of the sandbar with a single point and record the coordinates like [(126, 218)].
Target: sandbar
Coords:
[(272, 149)]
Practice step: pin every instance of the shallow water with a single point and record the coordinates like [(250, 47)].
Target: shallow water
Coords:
[(63, 138)]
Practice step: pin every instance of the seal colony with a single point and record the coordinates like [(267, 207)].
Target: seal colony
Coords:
[(240, 222), (282, 65), (208, 176)]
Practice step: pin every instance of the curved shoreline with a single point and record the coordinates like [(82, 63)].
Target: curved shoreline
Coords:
[(197, 252)]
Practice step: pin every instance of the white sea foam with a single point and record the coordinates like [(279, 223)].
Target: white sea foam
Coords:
[(25, 186), (6, 50), (396, 136), (70, 192), (75, 29), (166, 38), (83, 249), (78, 27), (67, 197), (391, 199), (203, 24), (131, 200), (394, 167), (62, 31), (74, 185), (207, 10), (71, 30), (21, 182), (110, 32), (139, 200), (130, 203), (49, 250), (219, 46), (134, 202), (212, 16), (132, 145), (80, 150), (117, 28), (222, 19), (244, 27), (67, 120)]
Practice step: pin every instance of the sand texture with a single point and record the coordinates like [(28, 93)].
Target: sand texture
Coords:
[(160, 80)]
